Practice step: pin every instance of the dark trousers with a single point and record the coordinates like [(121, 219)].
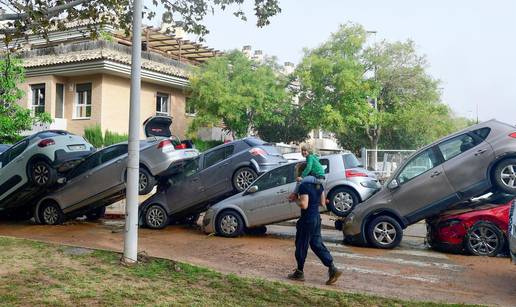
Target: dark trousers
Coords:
[(309, 234)]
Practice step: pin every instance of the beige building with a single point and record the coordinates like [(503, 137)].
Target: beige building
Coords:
[(82, 83)]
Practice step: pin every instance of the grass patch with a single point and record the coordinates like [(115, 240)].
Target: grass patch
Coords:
[(44, 274)]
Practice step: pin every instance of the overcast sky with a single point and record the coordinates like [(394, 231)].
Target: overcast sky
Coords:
[(470, 44)]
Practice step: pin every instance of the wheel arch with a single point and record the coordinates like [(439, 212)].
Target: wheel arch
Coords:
[(42, 202), (494, 164), (232, 208), (347, 186), (379, 212), (35, 158)]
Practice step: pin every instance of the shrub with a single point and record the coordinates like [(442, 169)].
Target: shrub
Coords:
[(202, 145), (111, 138), (94, 136)]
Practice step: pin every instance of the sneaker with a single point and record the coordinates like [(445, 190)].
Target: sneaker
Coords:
[(297, 275), (334, 275)]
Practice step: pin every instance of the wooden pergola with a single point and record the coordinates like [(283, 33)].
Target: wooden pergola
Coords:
[(172, 46)]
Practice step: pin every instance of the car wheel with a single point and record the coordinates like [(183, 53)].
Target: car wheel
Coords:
[(384, 232), (484, 239), (259, 231), (50, 213), (229, 224), (42, 174), (146, 182), (96, 214), (243, 178), (156, 217), (342, 201), (505, 176)]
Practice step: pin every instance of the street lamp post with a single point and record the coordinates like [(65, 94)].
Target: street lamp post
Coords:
[(131, 208)]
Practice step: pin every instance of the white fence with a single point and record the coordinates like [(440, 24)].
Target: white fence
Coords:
[(384, 162)]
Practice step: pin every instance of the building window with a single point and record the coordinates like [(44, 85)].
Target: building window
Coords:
[(162, 104), (38, 98), (189, 108), (82, 101)]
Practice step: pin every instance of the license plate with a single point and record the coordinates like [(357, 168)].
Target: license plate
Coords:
[(77, 147)]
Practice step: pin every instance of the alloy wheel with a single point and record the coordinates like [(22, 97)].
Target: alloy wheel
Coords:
[(343, 201), (244, 179), (155, 217), (41, 174), (508, 176), (483, 241), (384, 233), (229, 224), (50, 215), (143, 181)]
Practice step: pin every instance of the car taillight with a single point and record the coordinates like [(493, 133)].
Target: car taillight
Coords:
[(513, 135), (257, 152), (164, 144), (46, 142), (353, 173), (181, 146)]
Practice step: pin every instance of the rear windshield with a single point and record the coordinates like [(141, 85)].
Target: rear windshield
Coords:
[(350, 161), (49, 134)]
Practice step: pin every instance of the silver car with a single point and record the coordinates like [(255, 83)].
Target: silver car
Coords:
[(511, 234), (458, 167), (266, 201), (33, 164)]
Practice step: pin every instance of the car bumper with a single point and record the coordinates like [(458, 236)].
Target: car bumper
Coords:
[(352, 231), (171, 159), (208, 223), (66, 160)]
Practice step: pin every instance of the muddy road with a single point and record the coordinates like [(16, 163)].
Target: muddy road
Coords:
[(409, 272)]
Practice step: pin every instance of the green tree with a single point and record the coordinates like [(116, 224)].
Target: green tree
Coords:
[(237, 92), (13, 118), (292, 129)]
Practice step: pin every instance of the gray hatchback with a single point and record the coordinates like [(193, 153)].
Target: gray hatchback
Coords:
[(463, 165)]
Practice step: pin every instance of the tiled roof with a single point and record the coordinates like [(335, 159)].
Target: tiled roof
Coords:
[(99, 50)]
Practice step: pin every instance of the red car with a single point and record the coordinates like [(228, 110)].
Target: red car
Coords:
[(476, 227)]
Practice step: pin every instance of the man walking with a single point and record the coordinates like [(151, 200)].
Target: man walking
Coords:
[(308, 232)]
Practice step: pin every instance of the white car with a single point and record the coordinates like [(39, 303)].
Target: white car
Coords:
[(35, 162)]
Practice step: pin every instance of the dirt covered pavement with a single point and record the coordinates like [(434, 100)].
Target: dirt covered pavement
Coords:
[(408, 272)]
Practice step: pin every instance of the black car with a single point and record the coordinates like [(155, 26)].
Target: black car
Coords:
[(216, 174)]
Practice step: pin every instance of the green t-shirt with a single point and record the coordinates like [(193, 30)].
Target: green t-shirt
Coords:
[(313, 167)]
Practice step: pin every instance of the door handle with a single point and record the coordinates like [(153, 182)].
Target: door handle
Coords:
[(480, 151), (435, 174), (118, 161), (281, 192)]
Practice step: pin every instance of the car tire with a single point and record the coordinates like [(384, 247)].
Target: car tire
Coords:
[(505, 176), (342, 200), (96, 214), (49, 213), (156, 217), (484, 239), (258, 231), (146, 182), (42, 174), (229, 224), (243, 178), (384, 232)]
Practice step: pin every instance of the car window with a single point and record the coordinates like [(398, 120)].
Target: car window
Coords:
[(91, 162), (191, 167), (13, 152), (457, 145), (276, 177), (482, 133), (326, 165), (228, 151), (113, 153), (418, 165), (214, 157), (350, 161)]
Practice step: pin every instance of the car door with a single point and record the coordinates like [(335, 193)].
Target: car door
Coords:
[(186, 188), (466, 160), (216, 173), (270, 203), (423, 187), (95, 177), (13, 169)]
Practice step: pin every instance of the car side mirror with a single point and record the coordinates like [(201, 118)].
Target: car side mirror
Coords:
[(393, 185), (252, 189)]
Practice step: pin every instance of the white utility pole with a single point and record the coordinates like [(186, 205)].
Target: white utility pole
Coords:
[(131, 208)]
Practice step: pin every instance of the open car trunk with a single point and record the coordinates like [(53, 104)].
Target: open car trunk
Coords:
[(158, 126)]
